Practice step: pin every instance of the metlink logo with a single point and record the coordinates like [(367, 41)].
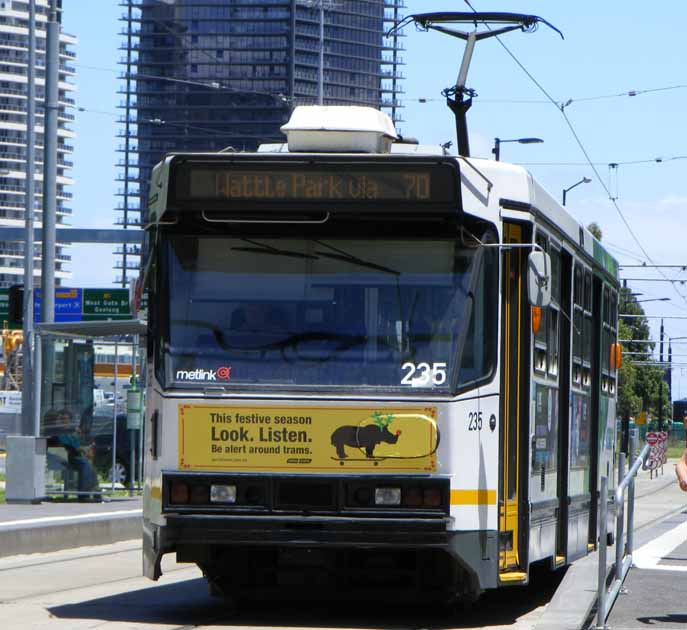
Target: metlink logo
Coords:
[(199, 374)]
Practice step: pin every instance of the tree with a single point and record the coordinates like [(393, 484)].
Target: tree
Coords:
[(594, 228), (638, 385)]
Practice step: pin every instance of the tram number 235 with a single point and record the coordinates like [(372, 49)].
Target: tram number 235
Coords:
[(475, 421), (422, 374)]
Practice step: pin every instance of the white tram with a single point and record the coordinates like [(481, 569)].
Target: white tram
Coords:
[(372, 363)]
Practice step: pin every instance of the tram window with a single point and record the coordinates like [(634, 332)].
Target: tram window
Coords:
[(587, 340), (578, 285), (588, 328), (540, 345), (553, 341), (612, 323), (302, 312), (606, 333), (541, 337), (555, 254), (580, 444), (578, 325), (553, 311), (544, 451), (588, 291)]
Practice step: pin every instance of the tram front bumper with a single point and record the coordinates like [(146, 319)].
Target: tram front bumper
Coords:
[(306, 530), (190, 535)]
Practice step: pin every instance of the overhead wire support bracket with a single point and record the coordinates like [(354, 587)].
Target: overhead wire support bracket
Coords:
[(455, 96)]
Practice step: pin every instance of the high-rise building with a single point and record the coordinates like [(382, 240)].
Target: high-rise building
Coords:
[(203, 75), (14, 55)]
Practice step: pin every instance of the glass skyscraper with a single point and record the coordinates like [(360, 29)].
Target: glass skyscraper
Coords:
[(204, 75), (14, 58)]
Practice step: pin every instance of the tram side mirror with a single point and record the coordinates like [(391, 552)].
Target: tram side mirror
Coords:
[(539, 278)]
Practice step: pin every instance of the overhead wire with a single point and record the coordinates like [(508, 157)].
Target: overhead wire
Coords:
[(657, 160), (561, 109), (569, 101), (163, 123)]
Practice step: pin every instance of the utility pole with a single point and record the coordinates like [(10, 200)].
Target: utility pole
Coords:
[(127, 136), (320, 72), (660, 385), (670, 376), (52, 61), (27, 400)]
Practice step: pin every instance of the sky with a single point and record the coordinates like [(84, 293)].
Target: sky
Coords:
[(610, 48)]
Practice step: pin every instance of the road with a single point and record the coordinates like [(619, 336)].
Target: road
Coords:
[(101, 587)]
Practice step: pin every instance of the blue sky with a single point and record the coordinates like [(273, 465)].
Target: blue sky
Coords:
[(610, 47)]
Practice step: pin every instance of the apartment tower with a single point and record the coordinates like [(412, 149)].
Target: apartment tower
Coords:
[(204, 75), (14, 56)]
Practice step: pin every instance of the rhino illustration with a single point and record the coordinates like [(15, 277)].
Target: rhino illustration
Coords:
[(366, 437)]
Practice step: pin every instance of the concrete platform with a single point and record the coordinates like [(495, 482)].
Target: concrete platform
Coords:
[(655, 586), (52, 526), (658, 501)]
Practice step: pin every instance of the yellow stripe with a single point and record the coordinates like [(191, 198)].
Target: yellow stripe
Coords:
[(473, 497), (156, 492)]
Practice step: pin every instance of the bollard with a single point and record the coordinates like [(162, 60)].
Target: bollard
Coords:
[(603, 542), (620, 522), (631, 498)]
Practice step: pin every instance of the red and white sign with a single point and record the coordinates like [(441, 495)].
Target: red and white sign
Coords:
[(658, 453)]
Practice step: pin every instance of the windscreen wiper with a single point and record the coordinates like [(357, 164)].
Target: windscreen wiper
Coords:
[(340, 254), (263, 248)]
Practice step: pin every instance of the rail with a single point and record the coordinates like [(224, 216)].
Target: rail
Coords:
[(624, 541)]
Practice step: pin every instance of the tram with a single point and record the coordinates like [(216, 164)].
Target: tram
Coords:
[(370, 364)]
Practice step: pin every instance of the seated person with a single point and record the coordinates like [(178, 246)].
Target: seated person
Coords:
[(77, 458)]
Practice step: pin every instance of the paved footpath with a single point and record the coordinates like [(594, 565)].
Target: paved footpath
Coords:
[(654, 593), (51, 526)]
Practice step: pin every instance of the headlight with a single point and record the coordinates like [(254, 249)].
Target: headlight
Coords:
[(387, 496), (222, 493)]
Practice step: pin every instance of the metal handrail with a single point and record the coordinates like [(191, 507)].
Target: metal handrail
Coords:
[(624, 542)]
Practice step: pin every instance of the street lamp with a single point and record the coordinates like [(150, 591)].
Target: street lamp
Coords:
[(663, 299), (584, 180), (497, 144), (321, 5)]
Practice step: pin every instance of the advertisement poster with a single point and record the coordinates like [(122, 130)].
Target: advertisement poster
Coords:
[(300, 439)]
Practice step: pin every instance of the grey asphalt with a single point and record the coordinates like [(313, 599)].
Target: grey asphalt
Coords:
[(101, 587)]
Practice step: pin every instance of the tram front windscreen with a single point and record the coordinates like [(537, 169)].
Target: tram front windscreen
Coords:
[(326, 314)]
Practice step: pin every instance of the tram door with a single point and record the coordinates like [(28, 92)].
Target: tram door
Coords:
[(563, 550), (514, 382)]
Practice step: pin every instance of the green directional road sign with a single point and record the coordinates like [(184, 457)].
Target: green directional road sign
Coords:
[(4, 308), (76, 305), (99, 304)]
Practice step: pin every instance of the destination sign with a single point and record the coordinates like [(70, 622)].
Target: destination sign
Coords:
[(323, 185), (373, 182)]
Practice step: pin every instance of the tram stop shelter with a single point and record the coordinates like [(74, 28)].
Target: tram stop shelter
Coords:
[(93, 441)]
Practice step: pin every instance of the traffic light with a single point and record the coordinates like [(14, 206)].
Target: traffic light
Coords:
[(15, 306)]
